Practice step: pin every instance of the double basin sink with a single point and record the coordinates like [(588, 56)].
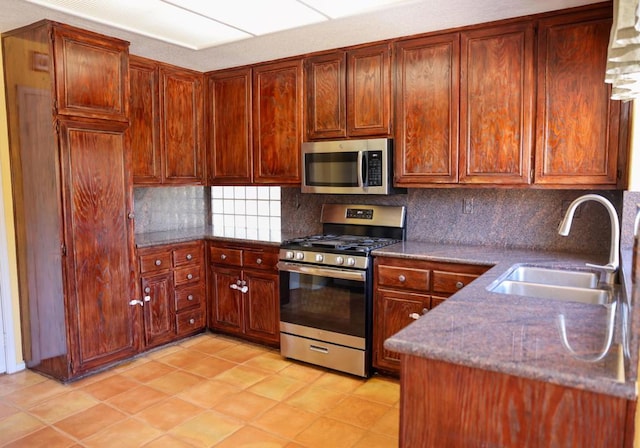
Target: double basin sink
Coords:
[(555, 284)]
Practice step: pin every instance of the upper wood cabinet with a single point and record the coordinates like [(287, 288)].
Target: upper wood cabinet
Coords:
[(578, 125), (277, 122), (427, 105), (229, 143), (91, 77), (144, 122), (166, 135), (348, 93), (496, 107)]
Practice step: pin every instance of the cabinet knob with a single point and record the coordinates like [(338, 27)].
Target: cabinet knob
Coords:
[(402, 278), (131, 215), (459, 285), (244, 289), (223, 257), (147, 298), (259, 261), (190, 297), (414, 316), (189, 256), (189, 276), (192, 321), (147, 290), (158, 262)]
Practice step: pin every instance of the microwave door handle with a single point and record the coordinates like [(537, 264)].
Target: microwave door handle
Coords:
[(363, 175)]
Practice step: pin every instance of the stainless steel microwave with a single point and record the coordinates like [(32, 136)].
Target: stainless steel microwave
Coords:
[(348, 167)]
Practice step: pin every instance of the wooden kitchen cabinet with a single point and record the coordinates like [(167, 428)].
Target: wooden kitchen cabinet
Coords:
[(244, 292), (277, 122), (166, 135), (229, 143), (172, 293), (74, 237), (496, 104), (484, 408), (578, 125), (404, 290), (427, 110), (348, 93)]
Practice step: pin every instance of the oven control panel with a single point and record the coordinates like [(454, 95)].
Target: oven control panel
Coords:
[(323, 258)]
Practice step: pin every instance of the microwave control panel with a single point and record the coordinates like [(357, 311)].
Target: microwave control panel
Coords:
[(374, 168)]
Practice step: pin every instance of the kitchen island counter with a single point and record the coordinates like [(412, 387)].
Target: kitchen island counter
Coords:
[(519, 335)]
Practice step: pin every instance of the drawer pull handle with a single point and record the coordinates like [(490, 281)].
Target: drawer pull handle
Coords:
[(459, 285), (223, 257), (192, 321), (158, 262), (402, 278), (317, 348), (190, 297), (259, 261), (414, 316), (189, 276), (233, 286)]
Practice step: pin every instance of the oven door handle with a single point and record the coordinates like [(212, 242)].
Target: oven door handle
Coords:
[(322, 272)]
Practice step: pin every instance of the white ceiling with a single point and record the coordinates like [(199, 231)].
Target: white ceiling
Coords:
[(410, 17)]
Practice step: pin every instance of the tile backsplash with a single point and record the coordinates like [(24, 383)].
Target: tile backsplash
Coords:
[(510, 218)]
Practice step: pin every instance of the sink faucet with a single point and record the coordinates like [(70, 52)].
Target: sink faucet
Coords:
[(610, 268)]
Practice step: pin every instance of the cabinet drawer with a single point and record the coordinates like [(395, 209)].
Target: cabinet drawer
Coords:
[(190, 296), (401, 277), (257, 259), (155, 262), (225, 255), (451, 282), (189, 322), (187, 255), (189, 274)]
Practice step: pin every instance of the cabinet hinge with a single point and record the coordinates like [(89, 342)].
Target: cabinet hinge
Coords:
[(55, 106), (619, 174), (51, 35), (63, 250)]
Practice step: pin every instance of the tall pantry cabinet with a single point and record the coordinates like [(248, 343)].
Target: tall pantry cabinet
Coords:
[(67, 102)]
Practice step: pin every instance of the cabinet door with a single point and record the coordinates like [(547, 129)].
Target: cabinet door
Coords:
[(226, 302), (262, 306), (182, 125), (91, 73), (229, 117), (496, 105), (427, 95), (158, 309), (392, 312), (369, 91), (99, 243), (144, 123), (277, 122), (326, 83), (577, 122)]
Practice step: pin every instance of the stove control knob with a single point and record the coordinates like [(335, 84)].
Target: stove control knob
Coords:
[(288, 255), (339, 260), (299, 256), (319, 258), (351, 261)]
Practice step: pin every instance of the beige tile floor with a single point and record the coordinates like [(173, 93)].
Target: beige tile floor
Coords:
[(205, 391)]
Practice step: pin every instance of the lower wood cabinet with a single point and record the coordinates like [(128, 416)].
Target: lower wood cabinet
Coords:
[(445, 404), (244, 291), (173, 293), (406, 289)]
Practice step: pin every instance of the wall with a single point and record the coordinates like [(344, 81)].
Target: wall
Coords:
[(7, 204), (169, 208)]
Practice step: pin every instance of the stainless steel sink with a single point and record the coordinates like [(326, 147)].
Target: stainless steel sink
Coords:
[(558, 277), (554, 292), (555, 284)]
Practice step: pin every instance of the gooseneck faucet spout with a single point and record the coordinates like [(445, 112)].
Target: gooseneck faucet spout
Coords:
[(610, 268)]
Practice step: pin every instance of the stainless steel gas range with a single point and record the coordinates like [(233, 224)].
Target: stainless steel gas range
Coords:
[(326, 286)]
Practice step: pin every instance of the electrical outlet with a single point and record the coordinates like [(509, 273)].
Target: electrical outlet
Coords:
[(467, 206)]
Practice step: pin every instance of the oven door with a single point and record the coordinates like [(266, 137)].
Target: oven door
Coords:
[(323, 316)]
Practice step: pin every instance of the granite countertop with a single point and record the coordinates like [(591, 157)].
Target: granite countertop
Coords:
[(234, 235), (521, 335)]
